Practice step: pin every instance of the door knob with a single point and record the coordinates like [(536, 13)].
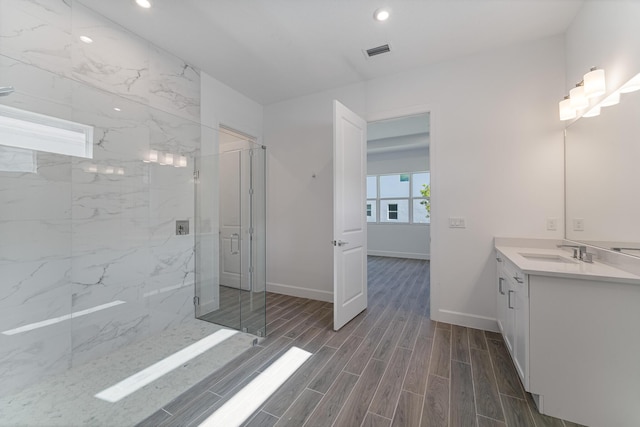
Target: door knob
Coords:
[(339, 243)]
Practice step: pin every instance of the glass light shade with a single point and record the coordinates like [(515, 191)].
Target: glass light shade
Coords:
[(632, 85), (144, 3), (595, 111), (168, 159), (577, 98), (153, 156), (594, 84), (566, 112), (108, 170), (182, 162), (610, 100)]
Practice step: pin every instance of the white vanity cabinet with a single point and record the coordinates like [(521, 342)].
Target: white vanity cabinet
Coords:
[(513, 313), (573, 331)]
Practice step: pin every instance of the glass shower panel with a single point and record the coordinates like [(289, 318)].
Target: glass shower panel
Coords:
[(230, 271), (254, 231)]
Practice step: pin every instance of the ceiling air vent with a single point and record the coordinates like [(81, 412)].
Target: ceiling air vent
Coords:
[(378, 50)]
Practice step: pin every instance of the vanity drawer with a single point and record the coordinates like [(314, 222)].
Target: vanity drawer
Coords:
[(511, 271)]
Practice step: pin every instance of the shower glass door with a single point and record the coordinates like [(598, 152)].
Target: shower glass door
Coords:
[(230, 234)]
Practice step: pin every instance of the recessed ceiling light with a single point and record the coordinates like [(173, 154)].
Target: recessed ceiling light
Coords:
[(144, 3), (381, 14), (86, 39), (117, 109)]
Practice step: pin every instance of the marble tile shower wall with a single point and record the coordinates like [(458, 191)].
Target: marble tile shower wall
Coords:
[(78, 233)]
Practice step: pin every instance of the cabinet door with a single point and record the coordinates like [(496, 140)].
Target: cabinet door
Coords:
[(521, 353), (501, 293), (510, 316)]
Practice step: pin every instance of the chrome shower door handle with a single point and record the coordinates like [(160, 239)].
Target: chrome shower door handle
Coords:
[(237, 251), (339, 243)]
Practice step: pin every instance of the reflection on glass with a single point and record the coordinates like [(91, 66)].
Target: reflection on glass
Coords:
[(602, 153)]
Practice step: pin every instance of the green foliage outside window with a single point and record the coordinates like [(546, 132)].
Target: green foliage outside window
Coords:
[(426, 193)]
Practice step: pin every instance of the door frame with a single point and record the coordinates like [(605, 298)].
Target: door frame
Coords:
[(434, 233)]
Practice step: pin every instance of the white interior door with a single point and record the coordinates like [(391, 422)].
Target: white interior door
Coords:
[(349, 215), (234, 191)]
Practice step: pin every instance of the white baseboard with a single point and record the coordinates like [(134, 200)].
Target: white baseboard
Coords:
[(295, 291), (468, 320), (208, 307), (398, 254)]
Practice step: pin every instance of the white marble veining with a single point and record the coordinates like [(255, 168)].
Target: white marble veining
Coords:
[(174, 85), (24, 25), (516, 249), (116, 61), (25, 358), (79, 233)]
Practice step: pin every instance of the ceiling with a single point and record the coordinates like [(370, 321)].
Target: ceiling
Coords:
[(279, 49)]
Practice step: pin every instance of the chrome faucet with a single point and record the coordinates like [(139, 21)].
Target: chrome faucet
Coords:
[(579, 252)]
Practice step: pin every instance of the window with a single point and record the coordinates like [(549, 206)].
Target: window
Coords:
[(33, 131), (392, 211), (401, 198)]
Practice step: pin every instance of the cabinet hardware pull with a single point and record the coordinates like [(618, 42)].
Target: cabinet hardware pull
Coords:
[(500, 280), (498, 259), (510, 300), (519, 280)]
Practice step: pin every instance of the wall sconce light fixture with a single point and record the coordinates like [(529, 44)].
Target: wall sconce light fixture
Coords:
[(592, 85), (567, 112)]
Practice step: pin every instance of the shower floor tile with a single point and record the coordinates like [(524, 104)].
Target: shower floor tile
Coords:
[(67, 399)]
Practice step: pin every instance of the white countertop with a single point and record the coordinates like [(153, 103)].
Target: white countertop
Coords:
[(573, 270)]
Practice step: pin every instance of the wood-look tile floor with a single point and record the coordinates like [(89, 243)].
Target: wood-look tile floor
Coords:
[(390, 366)]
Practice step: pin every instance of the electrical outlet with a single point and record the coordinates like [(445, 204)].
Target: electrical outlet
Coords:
[(457, 222), (578, 224), (552, 224)]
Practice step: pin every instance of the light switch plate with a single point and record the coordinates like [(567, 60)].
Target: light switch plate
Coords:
[(552, 224), (457, 222)]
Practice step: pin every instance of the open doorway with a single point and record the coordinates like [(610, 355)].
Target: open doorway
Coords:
[(399, 187)]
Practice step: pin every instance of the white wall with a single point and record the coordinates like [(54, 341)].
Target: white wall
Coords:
[(220, 104), (496, 159), (299, 135), (398, 240)]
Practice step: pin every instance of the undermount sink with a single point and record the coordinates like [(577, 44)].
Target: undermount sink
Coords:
[(549, 258)]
